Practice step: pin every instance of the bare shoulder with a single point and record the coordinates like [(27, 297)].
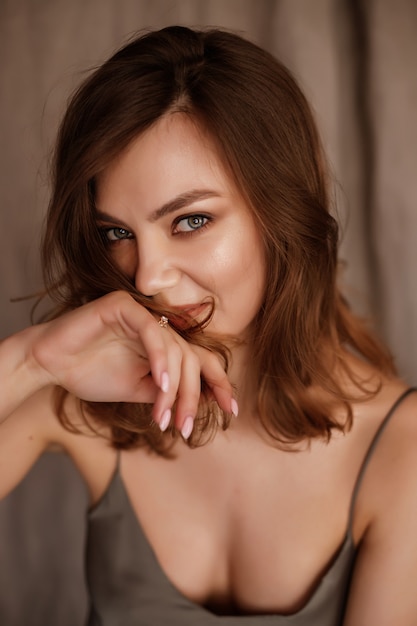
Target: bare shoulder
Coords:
[(392, 417), (396, 448), (34, 427), (383, 584), (24, 436), (394, 469)]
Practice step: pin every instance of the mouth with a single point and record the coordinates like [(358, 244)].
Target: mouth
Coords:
[(186, 316)]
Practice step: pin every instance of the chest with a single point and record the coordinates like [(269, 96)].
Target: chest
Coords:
[(256, 531)]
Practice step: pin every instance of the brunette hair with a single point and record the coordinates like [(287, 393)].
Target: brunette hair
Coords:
[(254, 110)]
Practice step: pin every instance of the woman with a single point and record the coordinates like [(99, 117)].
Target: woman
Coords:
[(192, 257)]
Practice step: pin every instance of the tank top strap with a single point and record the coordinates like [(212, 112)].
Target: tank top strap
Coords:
[(370, 452)]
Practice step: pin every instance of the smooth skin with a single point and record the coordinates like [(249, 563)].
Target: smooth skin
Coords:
[(265, 523)]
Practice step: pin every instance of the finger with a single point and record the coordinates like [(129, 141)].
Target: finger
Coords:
[(189, 392), (218, 383), (162, 352), (156, 350), (135, 319), (166, 397)]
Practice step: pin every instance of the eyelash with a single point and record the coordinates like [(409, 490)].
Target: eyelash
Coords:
[(192, 231), (105, 231)]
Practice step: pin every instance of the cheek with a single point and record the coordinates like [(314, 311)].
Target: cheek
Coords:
[(240, 268), (124, 256), (253, 275), (226, 259), (252, 257)]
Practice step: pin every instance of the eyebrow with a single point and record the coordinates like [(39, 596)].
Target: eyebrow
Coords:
[(177, 203)]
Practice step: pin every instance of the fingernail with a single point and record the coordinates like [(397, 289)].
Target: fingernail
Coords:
[(165, 420), (234, 406), (187, 427), (164, 382)]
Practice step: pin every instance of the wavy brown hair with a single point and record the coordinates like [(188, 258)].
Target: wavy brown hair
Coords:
[(253, 109)]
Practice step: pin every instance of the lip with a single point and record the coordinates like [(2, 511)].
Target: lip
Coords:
[(191, 311)]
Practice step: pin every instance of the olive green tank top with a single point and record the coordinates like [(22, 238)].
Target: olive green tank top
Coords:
[(128, 587)]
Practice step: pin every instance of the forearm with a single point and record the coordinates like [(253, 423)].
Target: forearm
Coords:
[(20, 376)]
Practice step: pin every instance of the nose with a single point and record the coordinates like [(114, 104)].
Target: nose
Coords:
[(157, 269)]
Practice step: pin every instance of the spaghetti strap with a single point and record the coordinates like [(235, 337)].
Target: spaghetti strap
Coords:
[(371, 449)]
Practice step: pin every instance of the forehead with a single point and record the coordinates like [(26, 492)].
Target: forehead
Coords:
[(172, 157)]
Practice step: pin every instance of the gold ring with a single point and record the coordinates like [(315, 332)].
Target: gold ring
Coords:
[(163, 322)]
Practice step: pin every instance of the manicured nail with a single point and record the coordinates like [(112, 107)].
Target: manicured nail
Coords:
[(165, 420), (234, 406), (164, 382), (187, 427)]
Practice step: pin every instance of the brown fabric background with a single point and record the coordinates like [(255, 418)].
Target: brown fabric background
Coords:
[(356, 60)]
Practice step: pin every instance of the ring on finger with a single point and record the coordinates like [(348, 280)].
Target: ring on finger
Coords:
[(163, 322)]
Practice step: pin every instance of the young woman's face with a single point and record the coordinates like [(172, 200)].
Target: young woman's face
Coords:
[(177, 225)]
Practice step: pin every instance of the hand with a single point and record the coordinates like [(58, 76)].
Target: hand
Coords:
[(114, 350)]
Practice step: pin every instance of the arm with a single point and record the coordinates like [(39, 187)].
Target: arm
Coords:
[(110, 350), (384, 583), (19, 377), (107, 350)]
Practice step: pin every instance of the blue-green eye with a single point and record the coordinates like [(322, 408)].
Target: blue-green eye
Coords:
[(117, 234), (190, 223)]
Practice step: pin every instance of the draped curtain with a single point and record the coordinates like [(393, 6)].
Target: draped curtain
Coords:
[(356, 61)]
